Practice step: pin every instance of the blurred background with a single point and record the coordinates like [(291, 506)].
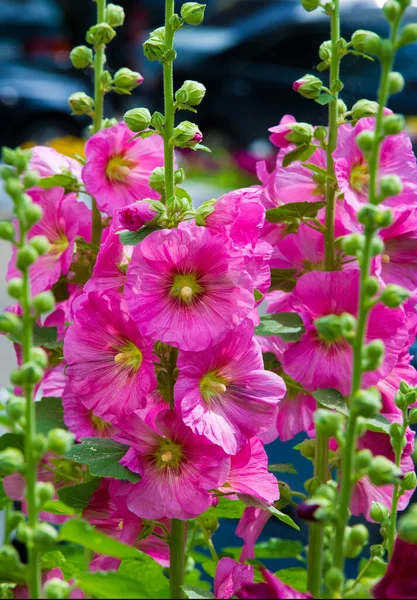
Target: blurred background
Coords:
[(247, 54)]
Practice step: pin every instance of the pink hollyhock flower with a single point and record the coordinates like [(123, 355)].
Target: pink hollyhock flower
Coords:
[(82, 421), (118, 167), (316, 363), (230, 576), (352, 171), (400, 580), (63, 220), (188, 287), (389, 386), (133, 216), (178, 468), (365, 492), (224, 393), (279, 132), (49, 162), (109, 272), (249, 474), (110, 364), (107, 511), (399, 260), (271, 588), (21, 591), (294, 413), (250, 528)]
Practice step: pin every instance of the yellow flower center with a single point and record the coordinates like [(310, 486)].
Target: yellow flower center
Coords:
[(98, 424), (212, 385), (129, 356), (385, 259), (59, 246), (359, 177), (168, 454), (118, 168), (186, 288)]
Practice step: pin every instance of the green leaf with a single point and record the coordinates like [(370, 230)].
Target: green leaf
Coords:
[(78, 496), (12, 440), (209, 566), (225, 509), (132, 238), (257, 295), (283, 517), (302, 152), (82, 533), (46, 337), (294, 210), (196, 593), (296, 577), (277, 548), (324, 99), (103, 457), (59, 180), (361, 54), (49, 415), (181, 193), (110, 584), (288, 325), (56, 507), (149, 573), (331, 398), (201, 147), (282, 468), (193, 578), (319, 171), (52, 560), (283, 279)]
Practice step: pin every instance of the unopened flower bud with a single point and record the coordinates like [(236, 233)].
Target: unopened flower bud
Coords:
[(14, 520), (390, 185), (100, 34), (391, 10), (158, 121), (329, 327), (393, 124), (191, 93), (341, 107), (353, 243), (394, 295), (179, 176), (40, 243), (154, 48), (379, 512), (407, 526), (186, 135), (56, 588), (377, 551), (383, 471), (31, 373), (334, 580), (412, 416), (325, 51), (365, 141), (364, 108), (15, 408), (307, 510), (9, 559), (6, 231), (31, 179), (363, 459), (26, 256), (80, 103), (157, 179), (307, 448), (134, 216), (15, 287), (355, 540), (308, 86), (377, 246), (33, 214), (115, 15), (81, 57), (396, 82), (127, 80), (367, 42), (59, 441), (367, 403), (409, 481), (300, 133), (9, 322), (137, 119), (45, 491), (327, 422), (408, 35), (320, 133), (44, 302), (39, 446), (396, 432), (193, 13), (24, 533), (371, 286), (373, 355), (44, 536), (39, 356), (310, 5), (11, 461), (14, 188)]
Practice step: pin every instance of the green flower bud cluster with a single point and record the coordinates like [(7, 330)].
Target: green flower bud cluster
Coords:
[(407, 526), (301, 133), (124, 81), (366, 403), (355, 539), (373, 355), (190, 94), (81, 104), (363, 108), (383, 471), (367, 42), (100, 34), (328, 423), (186, 135), (333, 327), (192, 13), (406, 396)]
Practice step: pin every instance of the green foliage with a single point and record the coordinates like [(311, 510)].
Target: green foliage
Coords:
[(294, 210), (132, 238), (46, 337), (77, 496), (282, 468), (12, 440), (226, 509), (302, 152), (296, 577), (49, 415), (283, 517), (109, 584), (56, 507), (146, 571), (283, 279), (287, 325), (196, 593), (102, 456)]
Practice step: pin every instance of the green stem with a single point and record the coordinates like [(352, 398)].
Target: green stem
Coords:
[(316, 532), (329, 254), (363, 312), (169, 103), (396, 495), (99, 59), (177, 558), (209, 541)]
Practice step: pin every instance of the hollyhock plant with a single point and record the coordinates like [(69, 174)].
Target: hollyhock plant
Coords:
[(63, 220), (250, 528), (352, 171), (82, 421), (317, 363), (109, 362), (399, 260), (188, 287), (118, 167), (48, 162), (224, 394), (279, 133), (133, 216), (177, 468)]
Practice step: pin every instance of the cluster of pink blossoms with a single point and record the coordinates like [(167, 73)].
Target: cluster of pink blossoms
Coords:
[(182, 304)]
